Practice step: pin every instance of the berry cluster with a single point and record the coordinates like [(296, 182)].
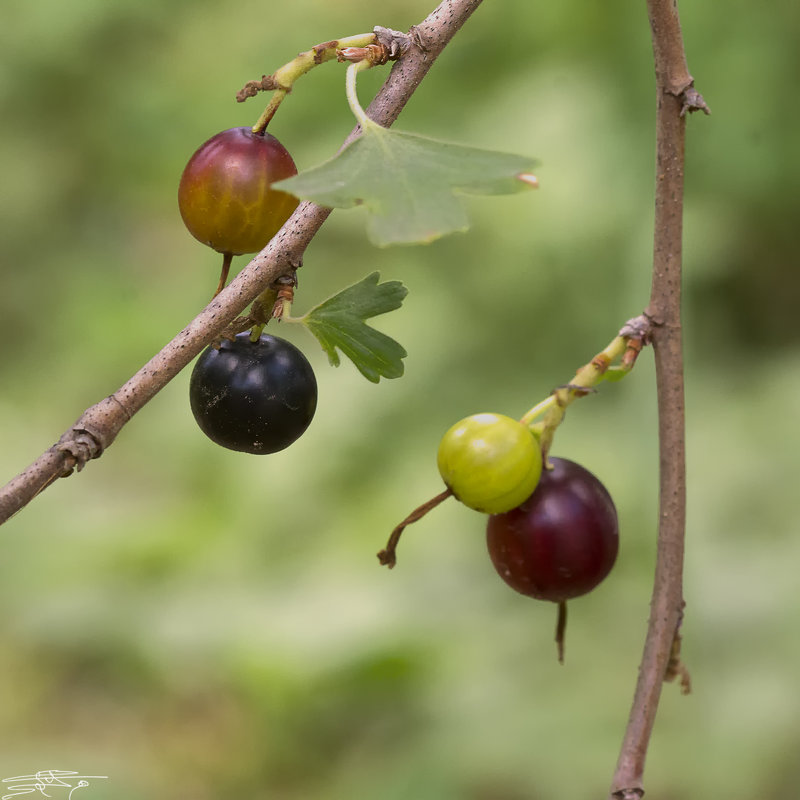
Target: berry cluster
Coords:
[(552, 534)]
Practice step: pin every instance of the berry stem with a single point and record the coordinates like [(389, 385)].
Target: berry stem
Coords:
[(554, 407), (269, 111), (540, 408), (283, 79), (227, 258), (587, 377)]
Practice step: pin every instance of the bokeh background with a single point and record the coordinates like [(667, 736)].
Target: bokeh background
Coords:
[(192, 622)]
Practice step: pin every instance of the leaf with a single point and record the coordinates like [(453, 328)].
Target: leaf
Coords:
[(408, 183), (339, 322)]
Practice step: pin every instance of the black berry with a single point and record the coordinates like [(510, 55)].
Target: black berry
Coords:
[(255, 397)]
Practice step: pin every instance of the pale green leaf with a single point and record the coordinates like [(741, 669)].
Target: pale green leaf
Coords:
[(408, 183)]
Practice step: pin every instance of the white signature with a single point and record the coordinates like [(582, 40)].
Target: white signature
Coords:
[(47, 779)]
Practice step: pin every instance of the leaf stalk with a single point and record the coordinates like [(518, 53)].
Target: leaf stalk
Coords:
[(352, 95)]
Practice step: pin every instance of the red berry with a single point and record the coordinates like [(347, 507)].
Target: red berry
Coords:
[(562, 541), (226, 197)]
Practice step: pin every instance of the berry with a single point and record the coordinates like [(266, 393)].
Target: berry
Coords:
[(490, 462), (562, 541), (225, 195), (255, 397)]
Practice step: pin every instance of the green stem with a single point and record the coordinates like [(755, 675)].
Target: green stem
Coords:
[(352, 95), (539, 409), (269, 111), (285, 76), (554, 407)]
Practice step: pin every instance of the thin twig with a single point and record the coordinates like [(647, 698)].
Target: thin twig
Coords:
[(672, 82), (99, 425)]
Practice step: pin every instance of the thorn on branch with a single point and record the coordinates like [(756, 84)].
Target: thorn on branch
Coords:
[(396, 43), (629, 794), (637, 328), (675, 667), (79, 447), (418, 40), (693, 101)]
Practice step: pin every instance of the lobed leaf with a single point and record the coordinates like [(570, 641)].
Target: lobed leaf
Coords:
[(408, 183), (339, 323)]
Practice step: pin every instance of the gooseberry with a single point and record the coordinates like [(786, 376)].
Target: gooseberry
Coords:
[(562, 541), (226, 197), (254, 397), (490, 462)]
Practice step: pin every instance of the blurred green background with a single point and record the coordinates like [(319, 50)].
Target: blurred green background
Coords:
[(193, 622)]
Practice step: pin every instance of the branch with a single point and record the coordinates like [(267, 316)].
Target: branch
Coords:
[(660, 659), (98, 426)]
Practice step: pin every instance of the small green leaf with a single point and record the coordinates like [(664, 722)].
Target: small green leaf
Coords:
[(408, 183), (339, 322)]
